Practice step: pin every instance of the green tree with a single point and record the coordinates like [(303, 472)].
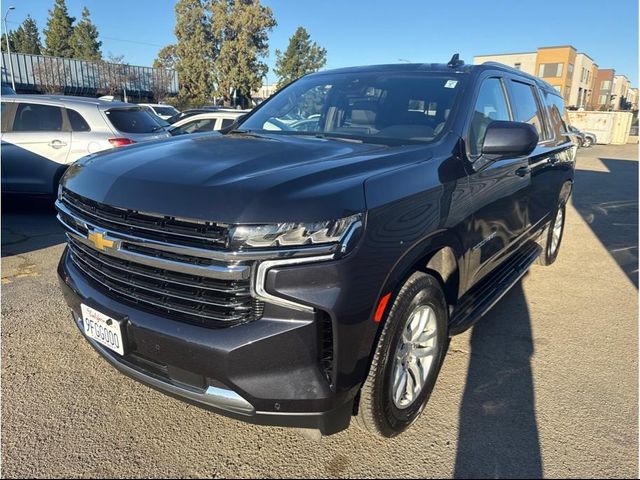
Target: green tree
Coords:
[(242, 29), (26, 38), (57, 35), (195, 49), (12, 41), (84, 41), (301, 57), (166, 58)]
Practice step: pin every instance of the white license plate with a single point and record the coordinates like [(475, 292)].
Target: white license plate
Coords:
[(103, 329)]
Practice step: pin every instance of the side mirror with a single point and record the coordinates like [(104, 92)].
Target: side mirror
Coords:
[(513, 139)]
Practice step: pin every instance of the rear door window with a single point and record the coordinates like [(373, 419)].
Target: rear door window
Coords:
[(31, 117), (195, 126), (132, 120), (491, 105), (525, 107), (77, 121)]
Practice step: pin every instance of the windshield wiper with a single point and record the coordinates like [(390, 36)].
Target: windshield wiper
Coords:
[(334, 137), (159, 127)]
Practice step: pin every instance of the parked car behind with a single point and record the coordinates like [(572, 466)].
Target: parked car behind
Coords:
[(163, 111), (306, 275), (7, 90), (42, 135), (206, 122), (584, 139)]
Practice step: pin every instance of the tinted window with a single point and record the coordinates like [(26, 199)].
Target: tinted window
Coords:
[(525, 107), (31, 117), (132, 120), (78, 124), (558, 115), (491, 105), (379, 107), (227, 122), (196, 126), (165, 110)]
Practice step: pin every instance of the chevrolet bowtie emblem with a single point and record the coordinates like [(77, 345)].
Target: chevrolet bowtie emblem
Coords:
[(100, 242)]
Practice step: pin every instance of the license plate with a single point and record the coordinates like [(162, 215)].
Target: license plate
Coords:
[(103, 329)]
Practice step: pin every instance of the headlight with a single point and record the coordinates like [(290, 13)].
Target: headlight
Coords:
[(291, 234)]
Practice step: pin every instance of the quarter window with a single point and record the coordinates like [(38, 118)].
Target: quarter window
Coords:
[(78, 123), (525, 106), (491, 105), (31, 117)]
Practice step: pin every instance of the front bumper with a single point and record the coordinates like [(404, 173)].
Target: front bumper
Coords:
[(265, 372)]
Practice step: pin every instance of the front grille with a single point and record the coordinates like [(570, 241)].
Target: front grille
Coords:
[(158, 263), (204, 301), (161, 228)]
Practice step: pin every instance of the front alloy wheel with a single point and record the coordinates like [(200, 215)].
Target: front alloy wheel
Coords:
[(414, 356)]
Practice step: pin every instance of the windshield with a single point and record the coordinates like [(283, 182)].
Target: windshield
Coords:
[(379, 107), (169, 111)]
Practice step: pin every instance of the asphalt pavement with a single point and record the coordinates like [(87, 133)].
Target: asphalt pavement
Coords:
[(545, 385)]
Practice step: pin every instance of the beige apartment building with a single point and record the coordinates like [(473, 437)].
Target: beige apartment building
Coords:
[(574, 74), (620, 91), (633, 98), (520, 61), (584, 78)]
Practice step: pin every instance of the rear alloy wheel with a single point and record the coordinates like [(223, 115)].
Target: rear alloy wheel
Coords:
[(554, 237), (587, 142), (407, 359)]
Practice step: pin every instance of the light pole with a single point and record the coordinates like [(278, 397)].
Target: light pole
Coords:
[(6, 36)]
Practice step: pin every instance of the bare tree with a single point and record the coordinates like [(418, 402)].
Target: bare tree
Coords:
[(116, 76), (161, 82), (52, 76)]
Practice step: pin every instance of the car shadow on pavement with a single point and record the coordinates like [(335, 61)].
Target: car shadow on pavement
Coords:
[(498, 432), (608, 202), (28, 224)]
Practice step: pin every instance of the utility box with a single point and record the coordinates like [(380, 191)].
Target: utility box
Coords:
[(611, 128)]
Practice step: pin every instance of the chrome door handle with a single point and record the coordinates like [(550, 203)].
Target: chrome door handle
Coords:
[(523, 171), (57, 144)]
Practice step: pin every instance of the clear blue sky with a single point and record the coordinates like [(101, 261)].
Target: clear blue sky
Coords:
[(359, 32)]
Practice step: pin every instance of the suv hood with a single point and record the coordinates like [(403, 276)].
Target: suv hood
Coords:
[(238, 178)]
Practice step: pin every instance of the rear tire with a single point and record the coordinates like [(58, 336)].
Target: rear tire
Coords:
[(555, 232), (587, 142), (415, 325)]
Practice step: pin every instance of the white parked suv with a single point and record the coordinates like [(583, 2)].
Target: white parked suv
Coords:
[(42, 135), (163, 111), (206, 122)]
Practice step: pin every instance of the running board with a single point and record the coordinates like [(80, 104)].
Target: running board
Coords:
[(478, 301)]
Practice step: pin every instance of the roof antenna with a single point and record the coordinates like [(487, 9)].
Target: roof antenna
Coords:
[(455, 61)]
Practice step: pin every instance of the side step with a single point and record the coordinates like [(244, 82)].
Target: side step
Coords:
[(480, 299)]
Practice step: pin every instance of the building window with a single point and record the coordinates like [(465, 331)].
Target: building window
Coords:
[(517, 66), (547, 70), (602, 100), (569, 69), (606, 85)]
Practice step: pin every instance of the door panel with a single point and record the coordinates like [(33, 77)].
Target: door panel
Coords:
[(34, 149), (499, 188), (500, 196)]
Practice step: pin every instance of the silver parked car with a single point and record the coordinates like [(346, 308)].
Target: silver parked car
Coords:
[(42, 135)]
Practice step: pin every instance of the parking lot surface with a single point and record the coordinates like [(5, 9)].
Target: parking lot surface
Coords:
[(545, 385)]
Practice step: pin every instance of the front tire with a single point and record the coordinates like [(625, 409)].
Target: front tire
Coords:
[(407, 359)]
